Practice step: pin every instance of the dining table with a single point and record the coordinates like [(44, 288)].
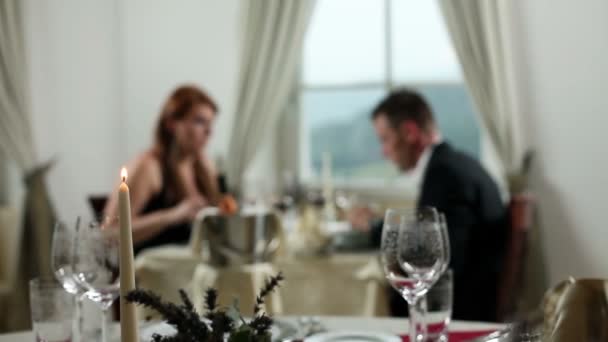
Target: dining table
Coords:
[(386, 325)]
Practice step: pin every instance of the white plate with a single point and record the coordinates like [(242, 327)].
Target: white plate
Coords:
[(280, 330), (354, 336), (161, 328)]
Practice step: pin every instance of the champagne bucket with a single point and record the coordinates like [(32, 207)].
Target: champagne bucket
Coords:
[(251, 236)]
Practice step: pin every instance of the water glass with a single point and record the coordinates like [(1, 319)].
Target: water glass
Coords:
[(52, 311), (439, 308)]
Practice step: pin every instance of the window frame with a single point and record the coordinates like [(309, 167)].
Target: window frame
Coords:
[(371, 186)]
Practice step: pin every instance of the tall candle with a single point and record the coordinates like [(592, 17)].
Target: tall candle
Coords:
[(128, 315)]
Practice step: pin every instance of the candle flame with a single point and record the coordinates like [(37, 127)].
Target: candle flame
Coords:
[(123, 174)]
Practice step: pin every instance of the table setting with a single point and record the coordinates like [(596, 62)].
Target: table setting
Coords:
[(394, 327), (90, 260), (235, 252), (93, 262), (89, 263)]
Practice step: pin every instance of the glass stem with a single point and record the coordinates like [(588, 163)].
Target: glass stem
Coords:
[(104, 324), (79, 318), (417, 329)]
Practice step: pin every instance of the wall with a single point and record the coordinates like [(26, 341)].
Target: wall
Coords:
[(564, 73), (73, 59), (99, 71), (165, 45)]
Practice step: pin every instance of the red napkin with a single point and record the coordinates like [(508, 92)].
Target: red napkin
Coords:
[(460, 336)]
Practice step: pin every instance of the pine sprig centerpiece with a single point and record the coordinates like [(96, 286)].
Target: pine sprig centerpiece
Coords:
[(218, 322)]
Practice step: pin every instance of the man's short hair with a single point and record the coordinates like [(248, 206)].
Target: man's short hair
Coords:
[(405, 104)]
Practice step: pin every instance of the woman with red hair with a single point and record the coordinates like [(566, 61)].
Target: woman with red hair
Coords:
[(174, 179)]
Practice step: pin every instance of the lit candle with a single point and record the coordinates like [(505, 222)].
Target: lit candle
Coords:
[(128, 315)]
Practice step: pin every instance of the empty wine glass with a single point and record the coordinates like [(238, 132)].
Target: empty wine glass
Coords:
[(96, 264), (422, 255), (446, 240), (408, 287), (62, 253)]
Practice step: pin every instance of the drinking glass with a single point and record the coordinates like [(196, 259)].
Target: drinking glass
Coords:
[(52, 311), (404, 283), (62, 253), (422, 255), (439, 308), (96, 264), (437, 303), (446, 239)]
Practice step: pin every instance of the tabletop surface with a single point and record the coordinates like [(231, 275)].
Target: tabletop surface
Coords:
[(386, 325)]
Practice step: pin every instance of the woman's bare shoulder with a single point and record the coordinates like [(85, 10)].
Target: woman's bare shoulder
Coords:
[(147, 167)]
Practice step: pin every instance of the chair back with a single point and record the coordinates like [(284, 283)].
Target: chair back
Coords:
[(10, 241), (98, 203), (521, 209)]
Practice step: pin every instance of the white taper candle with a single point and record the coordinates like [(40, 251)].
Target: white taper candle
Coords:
[(128, 315)]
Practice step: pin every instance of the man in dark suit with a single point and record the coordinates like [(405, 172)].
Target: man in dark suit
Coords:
[(456, 185)]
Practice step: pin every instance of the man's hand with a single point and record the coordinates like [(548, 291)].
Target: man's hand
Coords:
[(360, 218)]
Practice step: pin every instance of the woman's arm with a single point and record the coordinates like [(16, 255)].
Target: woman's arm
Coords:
[(145, 180), (210, 172)]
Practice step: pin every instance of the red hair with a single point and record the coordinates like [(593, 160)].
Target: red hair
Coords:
[(179, 104)]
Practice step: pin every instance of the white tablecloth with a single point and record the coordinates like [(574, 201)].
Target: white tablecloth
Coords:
[(166, 269), (387, 325)]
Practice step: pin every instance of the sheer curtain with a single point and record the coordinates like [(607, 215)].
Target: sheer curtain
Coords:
[(273, 36), (17, 144), (481, 32)]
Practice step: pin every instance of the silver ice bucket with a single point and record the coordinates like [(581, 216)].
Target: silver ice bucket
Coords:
[(251, 236)]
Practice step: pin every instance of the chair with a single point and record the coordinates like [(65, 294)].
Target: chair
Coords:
[(576, 310), (10, 241), (98, 203), (521, 210)]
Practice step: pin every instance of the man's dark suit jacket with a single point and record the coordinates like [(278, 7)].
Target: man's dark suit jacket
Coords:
[(459, 187)]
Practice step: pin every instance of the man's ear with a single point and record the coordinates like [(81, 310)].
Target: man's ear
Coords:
[(409, 131)]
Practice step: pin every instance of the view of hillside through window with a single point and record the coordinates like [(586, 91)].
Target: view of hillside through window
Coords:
[(350, 66)]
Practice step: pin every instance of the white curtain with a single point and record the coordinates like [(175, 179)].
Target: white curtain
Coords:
[(273, 36), (17, 144), (480, 31), (15, 129)]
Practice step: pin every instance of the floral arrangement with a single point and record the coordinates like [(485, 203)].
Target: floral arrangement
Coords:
[(217, 323)]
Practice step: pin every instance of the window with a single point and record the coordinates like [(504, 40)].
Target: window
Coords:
[(355, 52)]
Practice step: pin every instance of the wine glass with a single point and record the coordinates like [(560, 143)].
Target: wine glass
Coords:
[(422, 255), (62, 252), (446, 240), (96, 264), (411, 283), (408, 287)]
